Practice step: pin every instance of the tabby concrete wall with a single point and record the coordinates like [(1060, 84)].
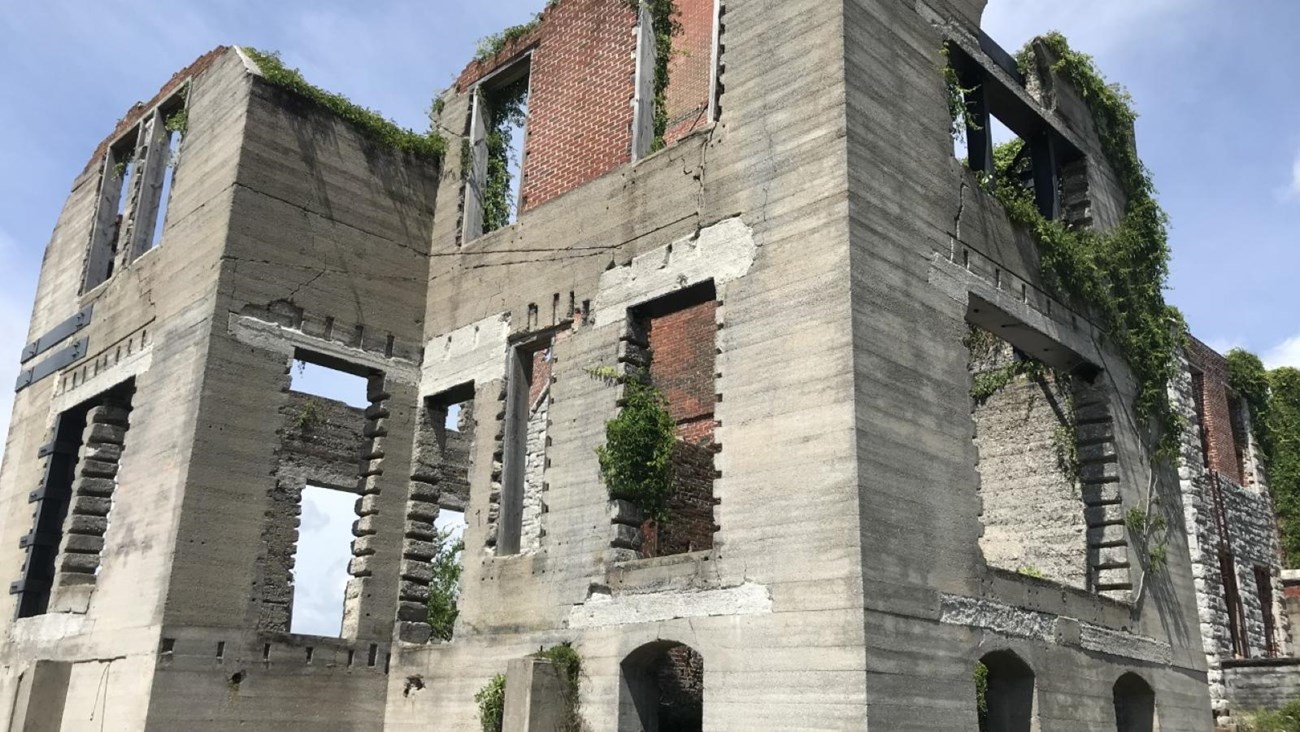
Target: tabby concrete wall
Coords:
[(150, 323), (757, 204), (927, 255)]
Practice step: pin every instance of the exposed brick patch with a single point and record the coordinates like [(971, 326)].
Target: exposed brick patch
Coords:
[(580, 111), (138, 110), (683, 352), (690, 71), (1225, 443)]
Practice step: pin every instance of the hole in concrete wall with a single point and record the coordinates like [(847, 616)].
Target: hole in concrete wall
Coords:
[(662, 689), (528, 398), (320, 564), (1135, 705), (675, 338), (1008, 703), (1026, 436), (221, 650)]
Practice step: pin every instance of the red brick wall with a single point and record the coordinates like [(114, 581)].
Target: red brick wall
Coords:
[(580, 108), (690, 70), (682, 347), (1215, 404), (682, 363)]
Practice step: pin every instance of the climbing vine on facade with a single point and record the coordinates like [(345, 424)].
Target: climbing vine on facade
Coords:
[(1118, 275), (508, 107), (1274, 401)]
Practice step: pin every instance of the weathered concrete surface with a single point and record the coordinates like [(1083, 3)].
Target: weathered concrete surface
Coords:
[(848, 252)]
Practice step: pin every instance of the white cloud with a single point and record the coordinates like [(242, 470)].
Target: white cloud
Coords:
[(1293, 191), (1096, 27), (1286, 353)]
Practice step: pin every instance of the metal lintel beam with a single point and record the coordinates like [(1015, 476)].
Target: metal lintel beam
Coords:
[(53, 363), (58, 334)]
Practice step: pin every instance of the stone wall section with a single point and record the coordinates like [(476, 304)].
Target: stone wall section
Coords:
[(531, 528), (356, 609), (1215, 505)]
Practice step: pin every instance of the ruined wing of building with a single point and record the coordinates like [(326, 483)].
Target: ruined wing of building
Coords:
[(882, 475)]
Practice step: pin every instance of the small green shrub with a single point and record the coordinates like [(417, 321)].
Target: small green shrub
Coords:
[(981, 675), (636, 459), (178, 121), (492, 703), (444, 588), (569, 664), (1286, 719)]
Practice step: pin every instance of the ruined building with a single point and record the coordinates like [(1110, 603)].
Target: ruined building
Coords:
[(906, 474)]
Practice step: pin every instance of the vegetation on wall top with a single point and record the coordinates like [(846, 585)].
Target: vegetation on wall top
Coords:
[(1274, 401), (491, 701), (1117, 275), (376, 127)]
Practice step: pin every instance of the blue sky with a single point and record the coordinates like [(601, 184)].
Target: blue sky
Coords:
[(1213, 82)]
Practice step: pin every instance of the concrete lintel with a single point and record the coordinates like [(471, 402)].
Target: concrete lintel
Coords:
[(475, 352), (278, 339), (722, 252), (603, 609), (1079, 338)]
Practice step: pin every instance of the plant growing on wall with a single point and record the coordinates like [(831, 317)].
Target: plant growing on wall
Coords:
[(508, 107), (1118, 275), (664, 19), (636, 459), (370, 123), (1274, 401), (492, 703), (569, 664), (444, 587)]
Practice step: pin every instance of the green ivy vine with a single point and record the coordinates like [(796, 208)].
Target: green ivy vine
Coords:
[(664, 20), (1117, 275), (1274, 401), (430, 145), (508, 105)]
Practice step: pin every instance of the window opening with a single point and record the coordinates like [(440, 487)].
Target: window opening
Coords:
[(435, 514), (662, 689), (174, 125), (316, 512), (1264, 586), (320, 564), (1198, 398), (678, 59), (1135, 704), (524, 450), (1240, 441), (115, 188), (1232, 598), (674, 339), (1004, 687), (498, 130), (1031, 162), (1026, 435)]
